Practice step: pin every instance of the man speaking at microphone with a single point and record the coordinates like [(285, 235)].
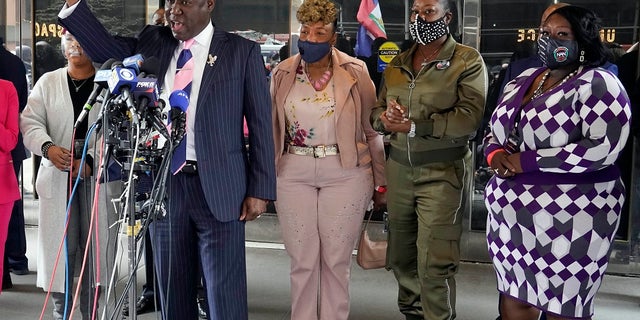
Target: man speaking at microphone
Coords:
[(222, 184)]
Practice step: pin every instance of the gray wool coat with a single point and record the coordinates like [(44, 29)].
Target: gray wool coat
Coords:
[(49, 116)]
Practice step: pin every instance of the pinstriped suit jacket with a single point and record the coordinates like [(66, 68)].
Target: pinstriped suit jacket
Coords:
[(233, 88)]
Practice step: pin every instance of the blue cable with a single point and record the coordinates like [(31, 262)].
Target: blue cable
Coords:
[(73, 192)]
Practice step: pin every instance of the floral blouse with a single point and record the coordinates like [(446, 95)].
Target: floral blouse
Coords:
[(310, 114)]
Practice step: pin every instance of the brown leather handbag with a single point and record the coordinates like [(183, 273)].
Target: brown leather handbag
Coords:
[(371, 254)]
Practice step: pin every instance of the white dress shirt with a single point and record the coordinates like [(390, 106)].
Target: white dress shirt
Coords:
[(200, 52)]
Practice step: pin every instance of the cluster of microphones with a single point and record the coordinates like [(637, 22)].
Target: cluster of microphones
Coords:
[(134, 83)]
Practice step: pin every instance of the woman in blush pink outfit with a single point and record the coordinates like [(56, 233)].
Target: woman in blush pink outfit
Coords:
[(9, 191), (328, 159)]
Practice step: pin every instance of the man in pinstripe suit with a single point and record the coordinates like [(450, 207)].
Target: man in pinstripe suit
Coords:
[(226, 184)]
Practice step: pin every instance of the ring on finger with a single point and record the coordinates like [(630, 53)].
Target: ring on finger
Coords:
[(496, 171), (506, 171)]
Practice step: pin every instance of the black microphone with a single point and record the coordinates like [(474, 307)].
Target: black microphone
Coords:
[(150, 66), (100, 81), (179, 101), (154, 115), (145, 91)]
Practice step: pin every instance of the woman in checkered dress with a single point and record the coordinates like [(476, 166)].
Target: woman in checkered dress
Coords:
[(555, 199)]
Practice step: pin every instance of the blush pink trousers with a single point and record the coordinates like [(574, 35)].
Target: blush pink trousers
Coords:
[(320, 208)]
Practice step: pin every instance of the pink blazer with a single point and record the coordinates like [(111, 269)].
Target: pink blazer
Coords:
[(9, 190), (355, 95)]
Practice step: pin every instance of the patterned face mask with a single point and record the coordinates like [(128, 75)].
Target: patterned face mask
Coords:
[(424, 32), (557, 53)]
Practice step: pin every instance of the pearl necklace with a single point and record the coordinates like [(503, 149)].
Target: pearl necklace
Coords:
[(539, 91)]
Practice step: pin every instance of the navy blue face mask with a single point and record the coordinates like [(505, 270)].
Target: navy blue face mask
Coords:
[(313, 51), (556, 53)]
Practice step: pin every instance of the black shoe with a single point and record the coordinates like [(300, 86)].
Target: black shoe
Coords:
[(145, 305), (19, 272), (6, 282)]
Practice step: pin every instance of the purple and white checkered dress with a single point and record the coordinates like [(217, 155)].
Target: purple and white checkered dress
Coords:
[(550, 228)]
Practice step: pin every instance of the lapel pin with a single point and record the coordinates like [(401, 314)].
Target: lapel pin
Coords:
[(212, 60), (443, 65)]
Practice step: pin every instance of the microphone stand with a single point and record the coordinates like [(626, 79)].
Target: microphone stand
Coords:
[(131, 233), (112, 140), (137, 160)]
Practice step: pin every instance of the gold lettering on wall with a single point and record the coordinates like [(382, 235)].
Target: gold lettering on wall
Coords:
[(606, 35), (46, 30), (527, 34)]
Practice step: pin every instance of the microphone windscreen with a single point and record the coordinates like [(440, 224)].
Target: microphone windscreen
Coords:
[(179, 99), (107, 64), (116, 64), (151, 66), (134, 62)]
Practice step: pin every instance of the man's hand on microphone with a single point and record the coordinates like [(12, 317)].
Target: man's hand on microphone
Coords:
[(252, 208)]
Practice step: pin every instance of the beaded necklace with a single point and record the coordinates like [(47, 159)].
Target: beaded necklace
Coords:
[(539, 91), (322, 82)]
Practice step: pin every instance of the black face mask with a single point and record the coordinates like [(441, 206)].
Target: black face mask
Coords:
[(557, 53), (424, 32)]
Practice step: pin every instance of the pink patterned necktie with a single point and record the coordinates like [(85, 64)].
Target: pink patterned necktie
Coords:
[(184, 76)]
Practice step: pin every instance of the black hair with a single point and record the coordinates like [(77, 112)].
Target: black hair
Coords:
[(284, 52), (343, 44), (446, 5), (524, 49), (375, 45), (615, 51), (586, 26)]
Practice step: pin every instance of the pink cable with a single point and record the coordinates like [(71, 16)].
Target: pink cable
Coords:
[(64, 234), (94, 211), (96, 200)]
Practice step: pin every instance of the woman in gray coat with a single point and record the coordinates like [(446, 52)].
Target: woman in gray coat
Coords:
[(47, 124)]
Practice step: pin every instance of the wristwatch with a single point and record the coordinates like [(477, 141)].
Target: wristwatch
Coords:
[(412, 130), (45, 149), (381, 189)]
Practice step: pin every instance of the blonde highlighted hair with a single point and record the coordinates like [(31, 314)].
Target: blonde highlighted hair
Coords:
[(312, 11)]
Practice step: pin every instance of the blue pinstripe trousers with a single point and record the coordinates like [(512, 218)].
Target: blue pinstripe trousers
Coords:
[(190, 229)]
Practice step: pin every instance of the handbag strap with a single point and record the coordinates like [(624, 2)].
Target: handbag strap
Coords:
[(366, 221)]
